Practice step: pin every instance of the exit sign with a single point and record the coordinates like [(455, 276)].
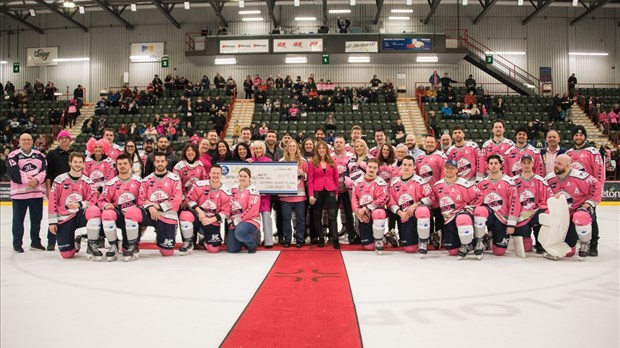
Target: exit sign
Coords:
[(16, 68), (325, 59), (488, 58), (164, 62)]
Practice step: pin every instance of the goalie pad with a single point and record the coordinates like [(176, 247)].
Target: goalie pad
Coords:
[(554, 226)]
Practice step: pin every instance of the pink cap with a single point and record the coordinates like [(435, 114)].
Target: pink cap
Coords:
[(64, 133)]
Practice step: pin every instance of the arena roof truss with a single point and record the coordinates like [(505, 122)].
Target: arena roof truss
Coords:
[(589, 10), (115, 11), (21, 17), (538, 6), (65, 13)]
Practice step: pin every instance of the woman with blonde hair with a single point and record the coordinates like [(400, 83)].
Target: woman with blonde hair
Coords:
[(356, 168), (297, 201)]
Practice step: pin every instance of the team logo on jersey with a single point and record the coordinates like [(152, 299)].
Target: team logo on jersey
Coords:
[(168, 243), (405, 201), (527, 199), (569, 198), (365, 200), (28, 167), (426, 172), (341, 170), (493, 201), (235, 208), (446, 204), (384, 175), (516, 168), (96, 176), (464, 167), (577, 166), (209, 207), (158, 196), (73, 198), (65, 186), (126, 200)]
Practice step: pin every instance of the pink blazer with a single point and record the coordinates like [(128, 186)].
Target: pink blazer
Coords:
[(317, 180)]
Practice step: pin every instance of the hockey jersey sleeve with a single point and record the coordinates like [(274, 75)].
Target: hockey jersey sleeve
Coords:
[(176, 196), (53, 201), (252, 208), (515, 207), (381, 195), (193, 196), (596, 190), (355, 202)]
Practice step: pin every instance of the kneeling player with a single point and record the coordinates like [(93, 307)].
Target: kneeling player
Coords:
[(159, 201), (370, 194), (410, 199), (583, 193), (119, 194), (209, 204), (72, 206), (457, 198), (245, 214)]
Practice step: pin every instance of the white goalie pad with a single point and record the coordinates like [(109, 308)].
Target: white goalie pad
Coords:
[(554, 227)]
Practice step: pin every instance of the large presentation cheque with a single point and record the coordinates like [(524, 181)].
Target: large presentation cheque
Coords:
[(268, 178)]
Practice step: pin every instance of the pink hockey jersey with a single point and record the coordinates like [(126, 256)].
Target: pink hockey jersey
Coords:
[(189, 174), (404, 193), (211, 201), (452, 199), (100, 171), (578, 187), (588, 160), (490, 147), (467, 157), (342, 161), (429, 167), (370, 194), (397, 170), (533, 194), (121, 193), (374, 152), (165, 191), (501, 196), (66, 190), (385, 171), (512, 160), (355, 171), (244, 206), (115, 151), (21, 169)]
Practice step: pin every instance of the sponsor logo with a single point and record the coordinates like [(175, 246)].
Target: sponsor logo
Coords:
[(41, 54)]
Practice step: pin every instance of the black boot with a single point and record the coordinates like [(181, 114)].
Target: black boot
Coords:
[(354, 240), (593, 250)]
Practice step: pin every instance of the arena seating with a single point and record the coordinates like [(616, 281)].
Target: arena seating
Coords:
[(39, 109)]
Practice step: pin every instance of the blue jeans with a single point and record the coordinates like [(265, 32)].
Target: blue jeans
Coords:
[(300, 217), (35, 205), (244, 234)]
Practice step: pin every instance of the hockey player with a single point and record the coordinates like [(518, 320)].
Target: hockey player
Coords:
[(512, 156), (342, 157), (356, 134), (457, 198), (497, 145), (158, 203), (245, 215), (533, 192), (583, 193), (118, 195), (587, 158), (71, 206), (370, 194), (499, 210), (209, 204), (99, 168), (466, 154), (410, 200)]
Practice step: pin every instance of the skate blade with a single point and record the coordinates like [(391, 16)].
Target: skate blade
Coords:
[(479, 257), (131, 258), (94, 258), (186, 253), (112, 258), (379, 252), (461, 257)]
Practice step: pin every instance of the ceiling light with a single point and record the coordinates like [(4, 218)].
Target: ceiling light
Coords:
[(296, 3), (33, 13), (398, 18), (68, 4), (139, 57), (134, 8), (241, 4), (3, 62), (520, 2), (352, 2), (71, 59), (427, 59), (464, 2), (296, 60), (186, 4), (249, 12), (82, 10), (359, 59), (529, 86), (225, 61), (339, 11), (302, 19), (507, 53), (252, 19), (588, 54), (402, 10), (575, 3)]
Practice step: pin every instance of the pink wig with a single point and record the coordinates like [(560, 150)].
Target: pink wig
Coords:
[(92, 143)]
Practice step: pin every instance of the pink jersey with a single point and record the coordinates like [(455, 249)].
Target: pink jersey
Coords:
[(404, 193), (121, 193), (533, 194), (588, 160), (578, 187), (501, 196), (244, 205), (21, 169), (371, 194), (100, 171), (164, 190), (143, 157), (355, 171), (385, 171), (512, 160), (66, 190), (490, 147), (467, 157), (452, 199), (211, 201), (374, 152), (189, 174), (115, 151), (342, 161), (396, 169), (430, 166), (350, 149)]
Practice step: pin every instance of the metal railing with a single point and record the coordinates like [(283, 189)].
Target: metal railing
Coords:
[(505, 65), (192, 38), (494, 88)]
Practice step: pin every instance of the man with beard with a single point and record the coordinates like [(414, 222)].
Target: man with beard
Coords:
[(466, 155), (512, 157), (163, 146), (414, 150), (380, 140)]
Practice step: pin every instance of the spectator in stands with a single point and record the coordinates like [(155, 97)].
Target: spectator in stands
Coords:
[(219, 81), (330, 122), (262, 131), (390, 96), (231, 87), (572, 81), (31, 125), (500, 108), (9, 88), (470, 83), (474, 113), (487, 100), (41, 143), (446, 111), (267, 106), (446, 81), (375, 82), (72, 112), (78, 95), (293, 112), (50, 91), (248, 87), (566, 106), (101, 108), (398, 131), (343, 25), (431, 94), (435, 80), (433, 122), (449, 94), (556, 113), (470, 99), (260, 96), (39, 88), (1, 92), (457, 110)]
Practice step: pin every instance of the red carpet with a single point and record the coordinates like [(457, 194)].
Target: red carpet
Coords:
[(305, 301)]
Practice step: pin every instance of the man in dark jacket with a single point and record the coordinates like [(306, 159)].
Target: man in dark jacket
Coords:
[(163, 145)]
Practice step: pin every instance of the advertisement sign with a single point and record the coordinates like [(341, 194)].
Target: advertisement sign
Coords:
[(361, 46), (244, 46), (146, 52), (545, 74), (41, 56), (611, 191), (407, 44), (298, 45), (268, 178)]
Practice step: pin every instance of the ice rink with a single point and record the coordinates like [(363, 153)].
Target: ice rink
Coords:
[(400, 300)]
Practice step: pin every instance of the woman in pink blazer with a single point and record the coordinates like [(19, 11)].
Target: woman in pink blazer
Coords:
[(322, 190)]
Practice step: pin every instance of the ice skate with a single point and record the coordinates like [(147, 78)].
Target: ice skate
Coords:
[(422, 248), (379, 247), (112, 253), (463, 251), (131, 253), (93, 252), (584, 250), (548, 256), (186, 248), (390, 238), (436, 239), (479, 249)]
